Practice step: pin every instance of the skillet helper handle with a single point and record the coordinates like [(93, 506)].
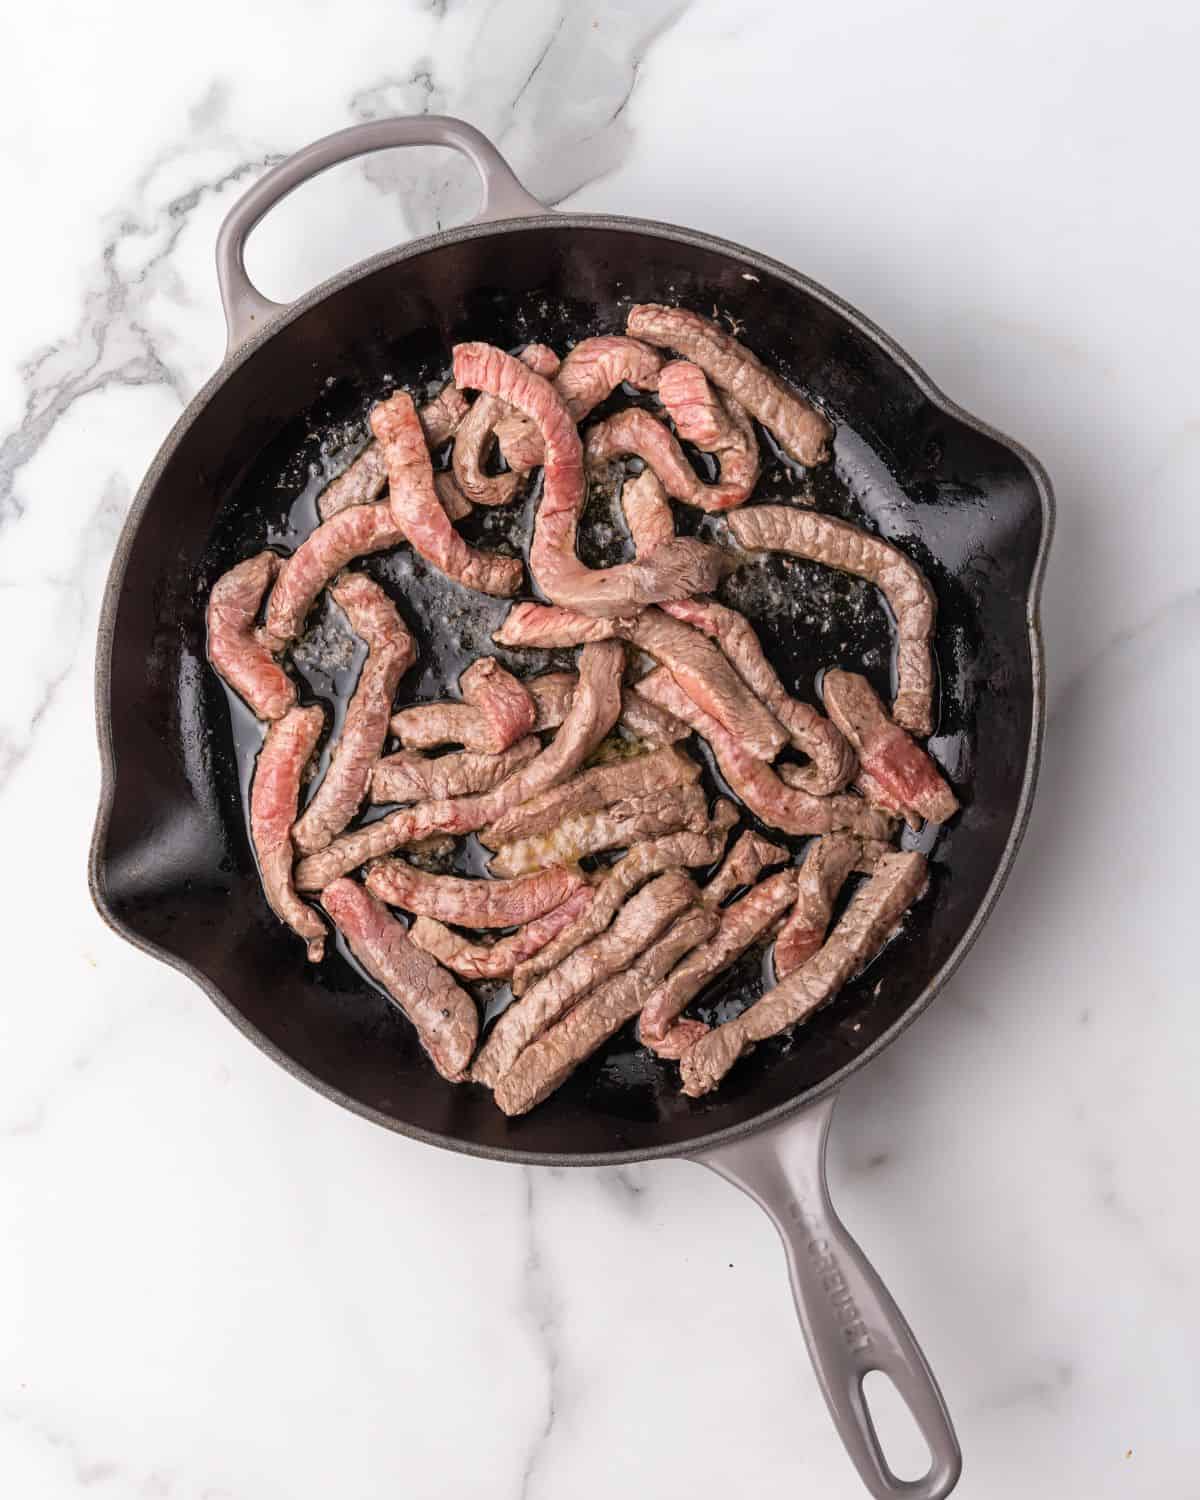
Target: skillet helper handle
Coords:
[(246, 309), (850, 1323)]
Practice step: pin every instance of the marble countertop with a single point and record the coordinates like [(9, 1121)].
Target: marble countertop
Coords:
[(215, 1285)]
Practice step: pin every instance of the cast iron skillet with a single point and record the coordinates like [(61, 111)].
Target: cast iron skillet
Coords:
[(171, 868)]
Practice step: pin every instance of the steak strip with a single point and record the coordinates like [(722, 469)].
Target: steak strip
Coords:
[(444, 1015), (647, 512), (888, 756), (417, 511), (756, 783), (427, 725), (407, 777), (799, 429), (870, 920), (549, 625), (717, 425), (592, 370), (745, 862), (615, 781), (498, 959), (321, 556), (476, 434), (549, 1061), (675, 570), (234, 649), (828, 864), (672, 851), (366, 477), (638, 432), (274, 794), (832, 757), (749, 917), (708, 681), (594, 710), (837, 544), (391, 651), (637, 924), (508, 710), (620, 826), (471, 903)]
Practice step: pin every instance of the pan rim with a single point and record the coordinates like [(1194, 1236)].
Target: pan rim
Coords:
[(566, 222)]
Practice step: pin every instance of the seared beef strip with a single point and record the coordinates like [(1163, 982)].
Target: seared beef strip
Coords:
[(548, 625), (742, 923), (391, 652), (476, 434), (672, 851), (498, 959), (837, 544), (646, 721), (450, 497), (647, 512), (832, 758), (417, 511), (592, 370), (888, 756), (409, 777), (756, 783), (471, 903), (799, 429), (594, 710), (366, 478), (444, 1015), (319, 557), (715, 424), (872, 916), (548, 1061), (635, 927), (619, 826), (614, 781), (675, 570), (828, 864), (745, 862), (637, 432), (274, 794), (708, 680), (426, 725), (234, 649), (506, 705)]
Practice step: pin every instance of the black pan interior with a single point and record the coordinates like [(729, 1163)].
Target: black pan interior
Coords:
[(173, 867)]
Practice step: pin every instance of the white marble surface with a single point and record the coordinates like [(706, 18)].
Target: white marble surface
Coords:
[(214, 1285)]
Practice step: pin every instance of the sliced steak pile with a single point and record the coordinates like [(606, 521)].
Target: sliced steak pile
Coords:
[(871, 918), (621, 825), (442, 1012), (635, 927), (799, 429), (832, 758), (614, 781), (828, 864), (671, 852), (497, 960), (233, 648), (749, 918), (476, 435), (757, 784), (594, 710), (891, 762), (274, 796), (675, 569), (549, 1061), (418, 513), (471, 903), (391, 651), (508, 709), (592, 370), (837, 544)]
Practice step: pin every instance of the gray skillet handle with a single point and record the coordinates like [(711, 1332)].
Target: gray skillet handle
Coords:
[(850, 1323), (246, 309)]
